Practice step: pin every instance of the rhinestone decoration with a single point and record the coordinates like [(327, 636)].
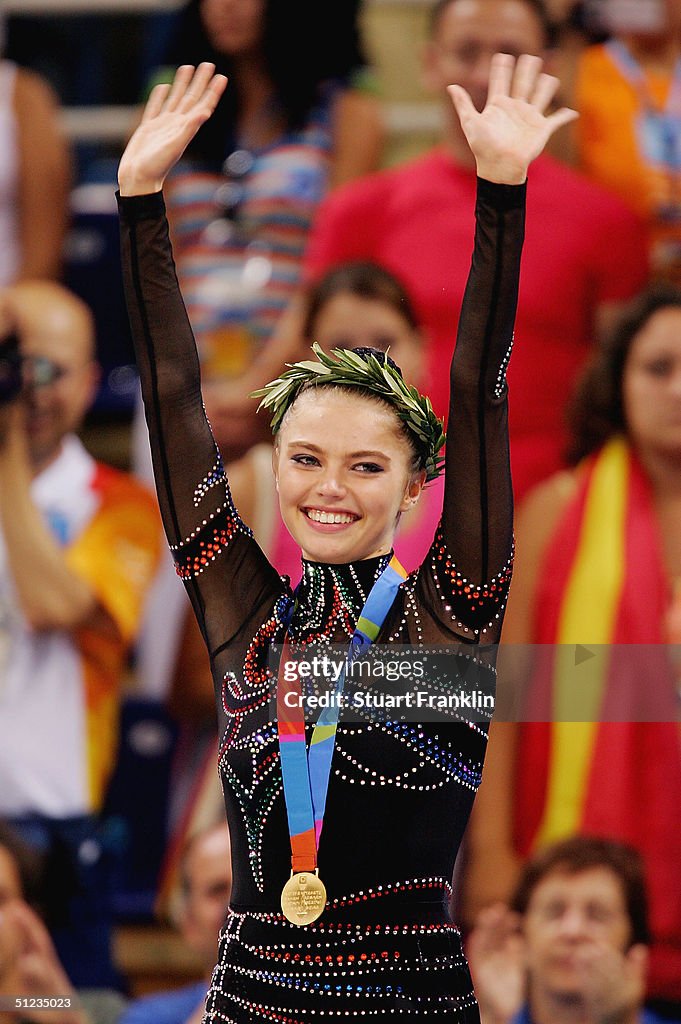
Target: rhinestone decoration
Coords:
[(428, 751), (213, 478), (385, 969), (267, 967), (473, 608), (500, 384), (196, 553)]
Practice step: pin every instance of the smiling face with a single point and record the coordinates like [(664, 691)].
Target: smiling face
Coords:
[(570, 918), (651, 385), (344, 474)]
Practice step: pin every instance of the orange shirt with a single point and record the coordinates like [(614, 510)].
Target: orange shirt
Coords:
[(59, 690), (116, 554), (609, 150)]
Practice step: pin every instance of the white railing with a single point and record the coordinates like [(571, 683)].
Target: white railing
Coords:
[(114, 124), (137, 6), (15, 7)]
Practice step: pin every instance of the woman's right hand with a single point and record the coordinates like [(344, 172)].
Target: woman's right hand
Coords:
[(172, 117)]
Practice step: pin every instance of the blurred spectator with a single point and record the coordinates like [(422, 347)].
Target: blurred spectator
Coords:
[(78, 547), (206, 871), (29, 965), (573, 949), (628, 93), (574, 29), (598, 551), (297, 120), (30, 969), (34, 176), (406, 217)]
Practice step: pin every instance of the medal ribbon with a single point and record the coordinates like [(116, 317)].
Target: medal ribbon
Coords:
[(306, 772)]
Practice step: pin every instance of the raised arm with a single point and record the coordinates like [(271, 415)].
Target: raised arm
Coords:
[(476, 535), (226, 574)]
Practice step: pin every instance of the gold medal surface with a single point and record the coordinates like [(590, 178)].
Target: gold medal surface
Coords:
[(303, 898)]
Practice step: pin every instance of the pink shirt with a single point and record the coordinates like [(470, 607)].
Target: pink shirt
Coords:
[(583, 248)]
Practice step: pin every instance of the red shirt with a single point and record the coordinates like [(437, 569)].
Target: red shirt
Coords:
[(583, 248)]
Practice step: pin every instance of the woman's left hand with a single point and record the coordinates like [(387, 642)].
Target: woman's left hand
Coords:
[(513, 128), (172, 117)]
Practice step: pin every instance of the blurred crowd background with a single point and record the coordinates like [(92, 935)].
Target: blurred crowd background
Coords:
[(330, 199)]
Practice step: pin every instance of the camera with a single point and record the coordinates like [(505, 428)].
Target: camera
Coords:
[(10, 369)]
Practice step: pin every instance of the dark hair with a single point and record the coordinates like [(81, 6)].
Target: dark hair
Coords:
[(596, 412), (537, 6), (296, 66), (364, 279), (582, 853), (29, 864)]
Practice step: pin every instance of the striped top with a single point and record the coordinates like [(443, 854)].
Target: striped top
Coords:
[(237, 277)]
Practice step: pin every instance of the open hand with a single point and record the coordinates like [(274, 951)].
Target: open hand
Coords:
[(496, 956), (172, 117), (513, 128), (35, 970)]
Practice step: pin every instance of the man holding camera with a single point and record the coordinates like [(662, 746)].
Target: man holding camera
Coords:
[(78, 546)]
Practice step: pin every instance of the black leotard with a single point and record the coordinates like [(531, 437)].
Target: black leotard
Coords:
[(400, 793)]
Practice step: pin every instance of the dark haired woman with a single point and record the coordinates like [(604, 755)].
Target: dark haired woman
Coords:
[(299, 118), (353, 448), (599, 563), (296, 121)]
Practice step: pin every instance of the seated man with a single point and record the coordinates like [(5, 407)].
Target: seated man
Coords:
[(573, 947), (78, 546), (206, 874)]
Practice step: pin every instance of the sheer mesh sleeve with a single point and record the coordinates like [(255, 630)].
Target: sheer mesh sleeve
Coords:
[(226, 574), (466, 576)]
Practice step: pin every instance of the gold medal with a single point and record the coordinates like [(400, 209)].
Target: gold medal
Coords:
[(303, 898)]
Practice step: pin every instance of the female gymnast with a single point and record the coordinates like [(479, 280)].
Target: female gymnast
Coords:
[(342, 851)]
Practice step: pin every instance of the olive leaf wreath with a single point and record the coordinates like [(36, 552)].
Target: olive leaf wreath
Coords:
[(342, 366)]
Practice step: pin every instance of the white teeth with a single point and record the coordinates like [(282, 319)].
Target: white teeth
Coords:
[(328, 517)]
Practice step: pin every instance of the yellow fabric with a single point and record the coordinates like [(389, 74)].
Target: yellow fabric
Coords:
[(117, 554), (587, 616)]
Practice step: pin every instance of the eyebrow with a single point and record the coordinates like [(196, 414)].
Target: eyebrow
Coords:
[(352, 455)]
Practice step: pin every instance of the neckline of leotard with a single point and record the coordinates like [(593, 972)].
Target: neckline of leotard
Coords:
[(324, 584)]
